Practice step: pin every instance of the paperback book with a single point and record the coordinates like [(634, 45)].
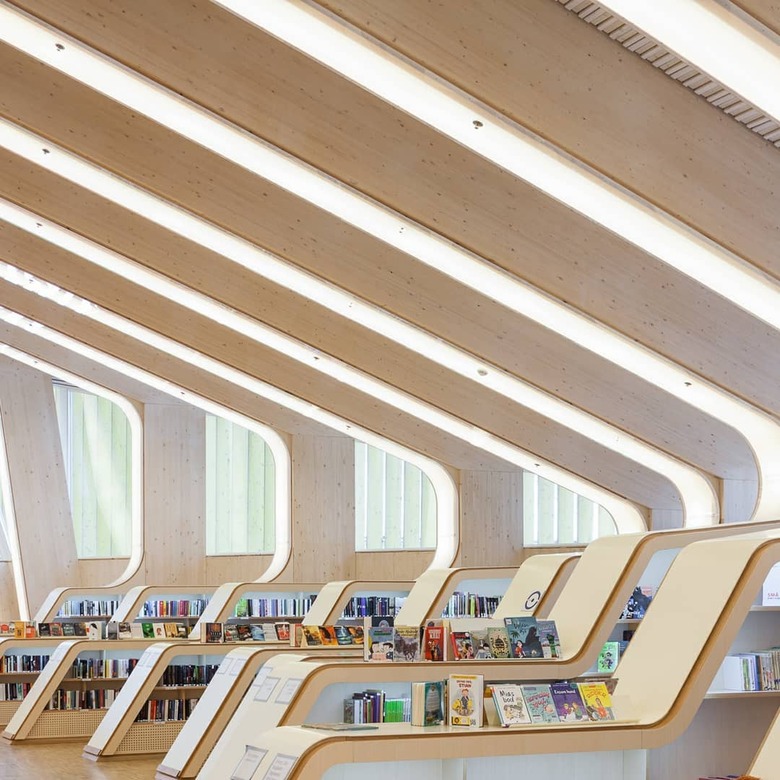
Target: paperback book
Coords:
[(380, 643), (568, 702), (539, 700), (608, 658), (212, 633), (597, 701), (464, 700), (428, 703), (548, 634), (462, 645), (524, 638), (406, 643), (510, 705), (498, 639), (433, 641), (480, 643)]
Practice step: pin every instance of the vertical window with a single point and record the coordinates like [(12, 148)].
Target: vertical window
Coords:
[(240, 490), (395, 503), (556, 516), (97, 452)]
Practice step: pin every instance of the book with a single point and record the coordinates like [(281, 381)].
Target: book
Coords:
[(44, 629), (343, 635), (608, 658), (568, 702), (328, 635), (79, 629), (112, 630), (171, 631), (427, 703), (380, 643), (539, 701), (638, 602), (244, 632), (498, 639), (95, 629), (462, 646), (282, 629), (159, 630), (147, 630), (548, 634), (356, 633), (230, 632), (524, 638), (433, 641), (510, 704), (406, 643), (68, 629), (464, 700), (481, 644), (258, 632), (18, 629), (212, 633), (597, 701), (56, 629), (30, 631), (312, 636)]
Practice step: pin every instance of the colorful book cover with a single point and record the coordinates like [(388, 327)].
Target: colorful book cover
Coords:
[(230, 632), (147, 630), (510, 704), (171, 632), (159, 630), (343, 635), (380, 643), (258, 632), (498, 639), (312, 636), (244, 631), (597, 701), (462, 646), (608, 658), (282, 629), (212, 633), (328, 635), (464, 700), (406, 643), (44, 629), (95, 629), (356, 633), (68, 629), (548, 634), (124, 630), (479, 639), (428, 703), (568, 702), (539, 701), (433, 641), (524, 638), (18, 629)]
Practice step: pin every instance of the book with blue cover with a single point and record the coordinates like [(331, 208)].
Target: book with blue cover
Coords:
[(524, 639)]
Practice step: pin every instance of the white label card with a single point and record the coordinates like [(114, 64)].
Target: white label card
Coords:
[(266, 689), (260, 676), (288, 690), (280, 767), (248, 764)]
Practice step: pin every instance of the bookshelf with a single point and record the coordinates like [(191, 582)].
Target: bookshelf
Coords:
[(153, 603), (34, 719), (220, 700), (657, 700), (335, 597), (225, 598), (98, 603), (434, 588)]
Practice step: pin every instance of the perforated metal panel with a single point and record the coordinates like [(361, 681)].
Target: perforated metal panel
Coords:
[(54, 724), (150, 737), (7, 710)]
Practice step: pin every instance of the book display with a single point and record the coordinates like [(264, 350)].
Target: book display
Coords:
[(98, 603)]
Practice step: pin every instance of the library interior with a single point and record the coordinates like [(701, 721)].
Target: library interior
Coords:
[(386, 388)]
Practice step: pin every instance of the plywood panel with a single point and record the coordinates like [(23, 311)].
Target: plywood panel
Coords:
[(40, 493), (393, 565), (174, 503), (8, 603), (323, 509), (765, 11), (491, 518), (235, 568)]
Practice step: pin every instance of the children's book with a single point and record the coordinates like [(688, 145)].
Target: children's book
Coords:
[(608, 658), (524, 638), (428, 703), (568, 702), (548, 634), (539, 701), (462, 646), (212, 633), (381, 642), (597, 701), (464, 700), (510, 704), (406, 643), (312, 636), (498, 639), (433, 641), (479, 639)]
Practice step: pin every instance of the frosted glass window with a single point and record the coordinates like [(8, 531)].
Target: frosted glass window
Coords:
[(240, 490), (97, 452), (395, 503), (553, 515)]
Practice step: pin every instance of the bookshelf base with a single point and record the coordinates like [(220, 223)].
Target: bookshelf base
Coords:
[(144, 738), (7, 710), (66, 724)]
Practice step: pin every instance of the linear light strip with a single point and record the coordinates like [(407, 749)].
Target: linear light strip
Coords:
[(725, 47), (626, 515), (699, 500), (204, 128)]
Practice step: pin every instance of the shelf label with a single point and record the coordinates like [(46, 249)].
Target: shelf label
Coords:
[(238, 665), (280, 767), (261, 675), (266, 689), (288, 690), (249, 763)]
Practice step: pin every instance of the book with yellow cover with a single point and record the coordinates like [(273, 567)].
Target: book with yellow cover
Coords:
[(597, 701), (464, 700)]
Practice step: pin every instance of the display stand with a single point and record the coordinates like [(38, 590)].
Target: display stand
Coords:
[(131, 608), (658, 699), (32, 720), (766, 764), (329, 607), (222, 604), (55, 605)]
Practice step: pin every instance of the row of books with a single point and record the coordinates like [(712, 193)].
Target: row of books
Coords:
[(246, 632), (755, 671), (163, 710), (22, 663), (174, 608), (89, 608), (470, 605), (92, 699), (99, 668), (14, 691), (335, 636), (466, 701), (188, 674), (373, 706), (274, 607), (367, 606)]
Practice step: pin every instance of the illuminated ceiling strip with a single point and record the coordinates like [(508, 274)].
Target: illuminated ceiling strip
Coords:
[(626, 515), (724, 46), (699, 500), (193, 122), (276, 444)]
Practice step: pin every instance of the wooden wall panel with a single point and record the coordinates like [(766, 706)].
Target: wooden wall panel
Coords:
[(40, 493), (666, 518), (737, 499), (491, 518), (323, 509), (175, 499), (395, 565), (235, 568), (8, 605)]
